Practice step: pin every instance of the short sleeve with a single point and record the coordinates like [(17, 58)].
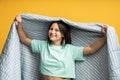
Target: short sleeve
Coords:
[(37, 45), (77, 53)]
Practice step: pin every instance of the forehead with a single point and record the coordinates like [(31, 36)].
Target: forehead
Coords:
[(54, 25)]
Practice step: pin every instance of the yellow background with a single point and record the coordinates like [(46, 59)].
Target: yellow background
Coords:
[(99, 11)]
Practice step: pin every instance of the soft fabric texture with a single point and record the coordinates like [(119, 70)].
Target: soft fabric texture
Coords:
[(57, 61), (17, 61)]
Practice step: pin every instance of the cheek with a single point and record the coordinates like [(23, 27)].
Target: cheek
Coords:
[(61, 35), (49, 32)]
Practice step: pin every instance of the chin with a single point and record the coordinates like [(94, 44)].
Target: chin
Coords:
[(52, 39)]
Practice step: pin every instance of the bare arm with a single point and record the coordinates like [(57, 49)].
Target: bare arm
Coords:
[(91, 49), (22, 35)]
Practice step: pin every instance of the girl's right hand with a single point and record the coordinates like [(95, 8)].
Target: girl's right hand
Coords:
[(18, 20), (104, 30)]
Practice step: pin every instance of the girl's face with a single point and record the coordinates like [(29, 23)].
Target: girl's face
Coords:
[(54, 34)]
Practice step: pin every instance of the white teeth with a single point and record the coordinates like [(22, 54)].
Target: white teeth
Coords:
[(53, 35)]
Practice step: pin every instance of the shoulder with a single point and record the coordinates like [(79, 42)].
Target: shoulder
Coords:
[(70, 46), (74, 47)]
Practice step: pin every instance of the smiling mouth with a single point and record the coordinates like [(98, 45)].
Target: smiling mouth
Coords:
[(53, 35)]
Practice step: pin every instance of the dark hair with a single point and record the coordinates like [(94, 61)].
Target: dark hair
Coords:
[(65, 30)]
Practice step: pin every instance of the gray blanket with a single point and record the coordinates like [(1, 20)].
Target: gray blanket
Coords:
[(17, 62)]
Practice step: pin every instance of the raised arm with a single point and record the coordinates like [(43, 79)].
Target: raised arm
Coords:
[(91, 49), (22, 35)]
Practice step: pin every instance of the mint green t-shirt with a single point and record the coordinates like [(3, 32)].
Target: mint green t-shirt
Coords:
[(57, 61)]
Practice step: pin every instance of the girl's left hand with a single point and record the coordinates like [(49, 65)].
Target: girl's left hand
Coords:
[(104, 30)]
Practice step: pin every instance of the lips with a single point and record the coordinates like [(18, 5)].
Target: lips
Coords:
[(53, 35)]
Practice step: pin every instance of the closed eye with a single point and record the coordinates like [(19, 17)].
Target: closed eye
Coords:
[(51, 28), (57, 30)]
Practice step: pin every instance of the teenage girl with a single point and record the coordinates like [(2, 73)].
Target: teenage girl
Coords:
[(58, 55)]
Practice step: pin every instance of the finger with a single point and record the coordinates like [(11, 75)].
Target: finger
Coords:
[(105, 26), (16, 22)]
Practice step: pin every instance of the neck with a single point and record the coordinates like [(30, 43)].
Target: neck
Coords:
[(56, 43)]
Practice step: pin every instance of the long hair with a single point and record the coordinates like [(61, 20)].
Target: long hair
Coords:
[(65, 30)]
